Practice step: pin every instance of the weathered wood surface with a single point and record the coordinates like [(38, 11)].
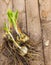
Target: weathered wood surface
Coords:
[(36, 25), (34, 29), (45, 15), (4, 6)]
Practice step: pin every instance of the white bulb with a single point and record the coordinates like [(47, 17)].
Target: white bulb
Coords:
[(23, 51)]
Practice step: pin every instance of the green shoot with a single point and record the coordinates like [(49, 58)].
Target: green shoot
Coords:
[(12, 16)]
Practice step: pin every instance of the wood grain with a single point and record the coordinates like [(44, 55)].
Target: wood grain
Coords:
[(34, 30), (29, 21), (45, 15), (4, 6), (45, 10), (33, 22)]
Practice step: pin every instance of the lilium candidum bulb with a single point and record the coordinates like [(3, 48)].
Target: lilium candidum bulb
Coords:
[(15, 39), (20, 37)]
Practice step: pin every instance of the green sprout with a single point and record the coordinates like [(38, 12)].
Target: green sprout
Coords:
[(12, 16)]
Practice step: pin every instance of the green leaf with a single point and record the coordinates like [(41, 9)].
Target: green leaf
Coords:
[(16, 15), (6, 27), (12, 16)]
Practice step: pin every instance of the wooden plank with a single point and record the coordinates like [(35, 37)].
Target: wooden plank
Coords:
[(34, 30), (4, 6), (47, 42), (45, 10), (33, 22), (20, 6), (45, 14)]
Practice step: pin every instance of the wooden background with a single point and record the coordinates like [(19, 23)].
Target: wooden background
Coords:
[(35, 20)]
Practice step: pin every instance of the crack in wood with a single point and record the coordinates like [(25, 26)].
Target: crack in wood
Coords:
[(41, 32)]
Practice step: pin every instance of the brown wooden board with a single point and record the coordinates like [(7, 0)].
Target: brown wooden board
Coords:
[(33, 22), (29, 21), (4, 6), (34, 30), (47, 42), (45, 15)]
